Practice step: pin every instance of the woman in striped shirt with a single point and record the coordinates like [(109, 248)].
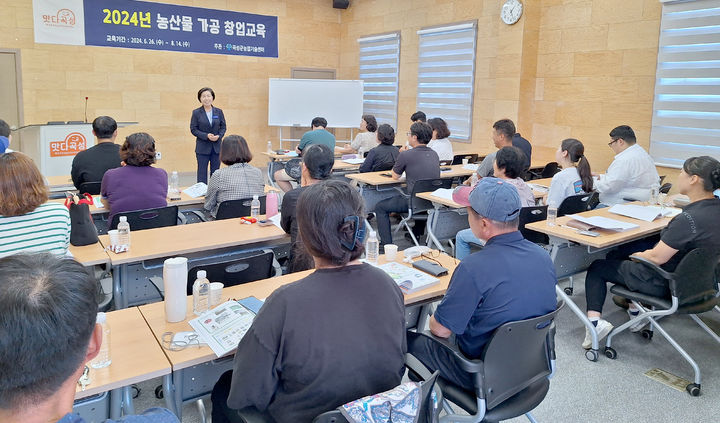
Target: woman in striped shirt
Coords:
[(28, 222)]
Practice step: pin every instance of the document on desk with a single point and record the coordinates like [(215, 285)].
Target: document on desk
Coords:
[(354, 161), (97, 203), (471, 166), (407, 278), (276, 220), (196, 191), (444, 193), (646, 213), (539, 188), (604, 223), (223, 327)]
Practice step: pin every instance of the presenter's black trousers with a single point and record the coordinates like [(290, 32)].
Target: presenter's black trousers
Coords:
[(202, 160)]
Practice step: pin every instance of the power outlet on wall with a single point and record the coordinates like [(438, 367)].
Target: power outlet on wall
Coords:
[(158, 155)]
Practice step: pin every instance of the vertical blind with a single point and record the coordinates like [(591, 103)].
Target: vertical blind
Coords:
[(446, 76), (379, 69), (686, 108)]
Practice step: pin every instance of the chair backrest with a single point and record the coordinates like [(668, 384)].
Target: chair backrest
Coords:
[(665, 188), (550, 170), (92, 188), (254, 267), (426, 185), (231, 209), (529, 215), (694, 279), (578, 203), (149, 218), (517, 355), (458, 158)]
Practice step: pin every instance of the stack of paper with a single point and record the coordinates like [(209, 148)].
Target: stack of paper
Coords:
[(444, 193), (354, 161), (646, 213), (471, 166), (536, 187), (196, 191), (604, 223)]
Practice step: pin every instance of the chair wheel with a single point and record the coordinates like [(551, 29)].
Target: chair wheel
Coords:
[(647, 334), (610, 353), (159, 392), (591, 355), (568, 290), (693, 389)]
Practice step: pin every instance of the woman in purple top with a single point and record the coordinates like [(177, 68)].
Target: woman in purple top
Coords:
[(136, 185)]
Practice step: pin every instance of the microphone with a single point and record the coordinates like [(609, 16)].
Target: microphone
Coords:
[(86, 99)]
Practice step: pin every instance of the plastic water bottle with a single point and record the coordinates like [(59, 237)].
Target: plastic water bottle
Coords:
[(360, 153), (372, 248), (271, 204), (123, 229), (255, 207), (473, 179), (103, 357), (174, 186), (201, 293), (269, 150)]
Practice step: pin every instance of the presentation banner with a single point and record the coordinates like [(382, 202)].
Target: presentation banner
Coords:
[(154, 26)]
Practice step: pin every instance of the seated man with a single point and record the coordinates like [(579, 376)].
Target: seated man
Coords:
[(317, 135), (695, 227), (90, 165), (420, 162), (502, 136), (510, 279), (48, 333), (317, 164), (631, 174)]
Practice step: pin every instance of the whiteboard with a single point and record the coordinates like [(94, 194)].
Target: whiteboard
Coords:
[(295, 102)]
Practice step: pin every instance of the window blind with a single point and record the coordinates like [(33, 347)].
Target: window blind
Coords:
[(686, 108), (379, 69), (446, 76)]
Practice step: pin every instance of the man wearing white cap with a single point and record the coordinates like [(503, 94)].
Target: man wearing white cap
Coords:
[(510, 279)]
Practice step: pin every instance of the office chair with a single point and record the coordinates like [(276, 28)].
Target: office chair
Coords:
[(231, 209), (665, 188), (458, 158), (158, 217), (529, 215), (578, 203), (693, 289), (92, 188), (254, 267), (548, 171), (512, 376), (418, 205)]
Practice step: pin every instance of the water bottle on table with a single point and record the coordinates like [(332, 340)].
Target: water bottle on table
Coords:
[(201, 293), (174, 190), (123, 229), (372, 248), (103, 357), (255, 207)]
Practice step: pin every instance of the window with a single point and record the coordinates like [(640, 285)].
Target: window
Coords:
[(446, 76), (379, 69), (686, 109)]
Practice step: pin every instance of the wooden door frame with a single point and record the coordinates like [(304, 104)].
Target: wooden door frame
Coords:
[(18, 81)]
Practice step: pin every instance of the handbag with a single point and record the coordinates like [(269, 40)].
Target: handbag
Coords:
[(82, 227)]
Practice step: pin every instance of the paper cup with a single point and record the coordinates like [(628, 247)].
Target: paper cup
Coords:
[(465, 161), (114, 237), (215, 293), (390, 252)]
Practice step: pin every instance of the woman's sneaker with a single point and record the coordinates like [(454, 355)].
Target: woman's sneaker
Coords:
[(638, 326), (602, 328)]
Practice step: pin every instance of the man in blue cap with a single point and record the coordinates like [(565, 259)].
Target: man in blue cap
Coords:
[(509, 279)]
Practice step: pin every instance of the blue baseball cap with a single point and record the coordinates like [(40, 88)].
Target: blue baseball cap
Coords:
[(492, 198)]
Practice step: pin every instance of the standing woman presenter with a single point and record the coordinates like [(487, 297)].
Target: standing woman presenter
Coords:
[(208, 126)]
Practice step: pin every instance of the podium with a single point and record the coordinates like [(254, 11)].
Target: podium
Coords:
[(54, 145)]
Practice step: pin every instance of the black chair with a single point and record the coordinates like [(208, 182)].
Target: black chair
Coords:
[(548, 171), (256, 266), (238, 208), (418, 205), (665, 188), (512, 375), (693, 290), (149, 218), (529, 215), (458, 158), (578, 203), (446, 162), (92, 188)]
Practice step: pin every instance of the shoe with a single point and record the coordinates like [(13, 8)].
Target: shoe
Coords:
[(637, 327), (603, 328), (621, 302)]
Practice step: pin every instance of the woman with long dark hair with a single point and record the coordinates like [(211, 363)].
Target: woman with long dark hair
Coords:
[(575, 176)]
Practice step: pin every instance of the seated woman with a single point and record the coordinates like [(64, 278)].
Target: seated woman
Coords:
[(28, 223), (334, 336), (384, 155), (696, 227), (136, 185), (440, 142), (238, 180), (508, 165), (364, 141), (575, 178)]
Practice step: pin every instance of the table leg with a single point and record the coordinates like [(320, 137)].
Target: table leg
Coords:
[(119, 285), (116, 399), (172, 390), (128, 406), (271, 181), (432, 222)]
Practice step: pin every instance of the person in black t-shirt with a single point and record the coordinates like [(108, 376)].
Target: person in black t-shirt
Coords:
[(384, 155), (420, 162), (90, 165), (327, 339), (316, 166), (695, 227)]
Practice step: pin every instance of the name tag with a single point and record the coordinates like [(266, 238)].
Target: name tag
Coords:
[(215, 117)]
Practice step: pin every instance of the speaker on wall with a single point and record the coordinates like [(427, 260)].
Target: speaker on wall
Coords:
[(341, 4)]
